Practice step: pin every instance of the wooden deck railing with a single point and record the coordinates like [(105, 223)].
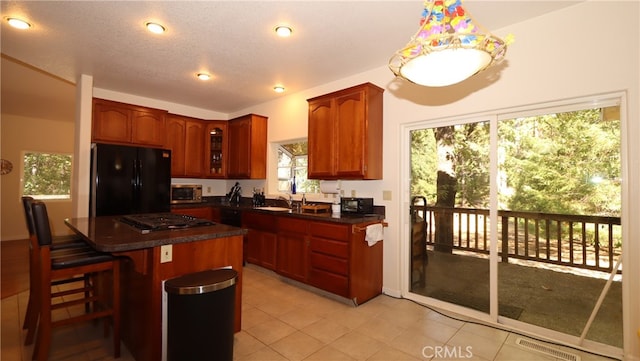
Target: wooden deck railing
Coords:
[(587, 242)]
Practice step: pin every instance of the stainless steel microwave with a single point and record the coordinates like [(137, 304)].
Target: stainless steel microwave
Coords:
[(356, 205), (186, 193)]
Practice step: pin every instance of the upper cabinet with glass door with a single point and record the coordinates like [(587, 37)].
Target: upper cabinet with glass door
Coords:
[(216, 149), (345, 134)]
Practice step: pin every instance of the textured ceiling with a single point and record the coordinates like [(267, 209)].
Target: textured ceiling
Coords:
[(233, 40)]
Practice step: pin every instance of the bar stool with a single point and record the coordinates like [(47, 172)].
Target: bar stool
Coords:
[(60, 245), (53, 266)]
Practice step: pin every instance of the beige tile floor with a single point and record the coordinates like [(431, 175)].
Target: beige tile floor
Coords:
[(282, 321)]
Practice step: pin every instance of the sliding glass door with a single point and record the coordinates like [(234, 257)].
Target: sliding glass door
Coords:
[(518, 216)]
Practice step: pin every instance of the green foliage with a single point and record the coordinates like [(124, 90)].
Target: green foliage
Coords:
[(471, 158), (561, 163), (566, 163), (472, 165), (423, 164), (47, 174)]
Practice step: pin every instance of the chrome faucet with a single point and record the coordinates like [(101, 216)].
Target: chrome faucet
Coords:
[(289, 201)]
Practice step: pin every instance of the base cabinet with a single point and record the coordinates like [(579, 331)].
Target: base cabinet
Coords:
[(261, 239), (328, 255), (293, 243)]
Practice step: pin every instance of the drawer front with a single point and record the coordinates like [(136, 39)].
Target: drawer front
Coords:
[(293, 225), (330, 230), (328, 263), (330, 282), (198, 212), (330, 247)]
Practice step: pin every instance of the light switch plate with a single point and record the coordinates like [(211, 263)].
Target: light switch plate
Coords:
[(386, 195), (353, 192), (166, 253)]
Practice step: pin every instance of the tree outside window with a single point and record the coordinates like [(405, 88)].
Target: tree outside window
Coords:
[(293, 160), (46, 175)]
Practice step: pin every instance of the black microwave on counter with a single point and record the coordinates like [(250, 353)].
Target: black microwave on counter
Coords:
[(356, 205)]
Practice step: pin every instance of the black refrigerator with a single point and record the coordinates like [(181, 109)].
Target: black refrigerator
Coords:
[(129, 180)]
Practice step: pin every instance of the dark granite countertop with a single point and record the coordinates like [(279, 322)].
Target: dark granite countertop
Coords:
[(108, 234), (246, 206)]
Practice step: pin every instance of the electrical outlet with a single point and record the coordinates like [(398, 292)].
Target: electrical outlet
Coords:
[(386, 195), (166, 253), (353, 192), (208, 190)]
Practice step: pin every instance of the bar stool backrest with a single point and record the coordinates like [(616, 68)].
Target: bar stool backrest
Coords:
[(26, 203), (41, 223)]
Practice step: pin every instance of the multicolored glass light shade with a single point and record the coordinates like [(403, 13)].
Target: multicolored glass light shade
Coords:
[(448, 48)]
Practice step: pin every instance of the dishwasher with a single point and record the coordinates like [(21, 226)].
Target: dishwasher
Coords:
[(231, 217)]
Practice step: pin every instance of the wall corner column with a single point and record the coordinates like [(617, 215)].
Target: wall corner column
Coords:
[(82, 148)]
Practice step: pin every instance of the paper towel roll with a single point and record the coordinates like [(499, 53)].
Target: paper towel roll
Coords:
[(330, 187)]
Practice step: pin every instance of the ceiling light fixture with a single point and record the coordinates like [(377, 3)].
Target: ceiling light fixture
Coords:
[(283, 31), (203, 76), (18, 23), (155, 27), (448, 47), (278, 89)]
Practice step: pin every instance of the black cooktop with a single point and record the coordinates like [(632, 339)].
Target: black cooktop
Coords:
[(163, 221)]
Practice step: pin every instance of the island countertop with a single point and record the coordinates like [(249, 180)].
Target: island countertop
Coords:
[(109, 234)]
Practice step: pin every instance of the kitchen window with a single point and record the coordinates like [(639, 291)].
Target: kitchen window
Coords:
[(46, 175), (293, 161)]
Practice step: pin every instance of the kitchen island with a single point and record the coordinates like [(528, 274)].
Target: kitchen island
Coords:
[(144, 269)]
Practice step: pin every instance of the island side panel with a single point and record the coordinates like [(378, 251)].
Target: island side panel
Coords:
[(142, 292)]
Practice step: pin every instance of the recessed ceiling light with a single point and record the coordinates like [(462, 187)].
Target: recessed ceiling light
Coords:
[(18, 23), (278, 89), (155, 28), (283, 31), (203, 76)]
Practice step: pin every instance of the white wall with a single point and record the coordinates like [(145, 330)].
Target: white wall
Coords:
[(566, 54)]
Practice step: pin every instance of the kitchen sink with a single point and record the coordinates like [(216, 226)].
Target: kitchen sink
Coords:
[(275, 209)]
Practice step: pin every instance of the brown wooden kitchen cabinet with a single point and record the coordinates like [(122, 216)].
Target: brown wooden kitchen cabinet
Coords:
[(328, 255), (292, 250), (342, 262), (185, 138), (345, 134), (247, 147), (115, 122), (216, 149), (261, 239), (198, 212)]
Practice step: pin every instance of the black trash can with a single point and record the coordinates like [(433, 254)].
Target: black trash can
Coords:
[(200, 315)]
